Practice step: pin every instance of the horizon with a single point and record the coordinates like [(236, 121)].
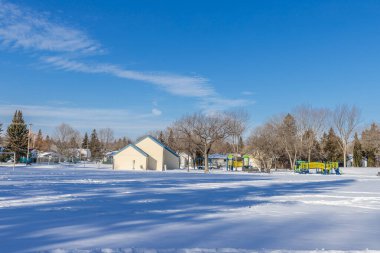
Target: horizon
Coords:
[(138, 66)]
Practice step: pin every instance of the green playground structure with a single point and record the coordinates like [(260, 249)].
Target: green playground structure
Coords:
[(325, 168)]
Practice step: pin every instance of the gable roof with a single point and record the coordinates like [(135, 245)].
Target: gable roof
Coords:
[(159, 143), (135, 147)]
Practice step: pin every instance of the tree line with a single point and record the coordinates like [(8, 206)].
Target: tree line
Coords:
[(305, 133), (65, 140)]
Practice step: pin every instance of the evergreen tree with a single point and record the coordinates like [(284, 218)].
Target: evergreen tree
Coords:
[(331, 148), (47, 143), (39, 141), (17, 135), (316, 152), (120, 143), (358, 152), (287, 134), (85, 141), (95, 145), (161, 137), (171, 141), (124, 142), (371, 144)]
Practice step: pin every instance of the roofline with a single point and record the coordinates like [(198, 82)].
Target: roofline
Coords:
[(159, 143), (133, 146)]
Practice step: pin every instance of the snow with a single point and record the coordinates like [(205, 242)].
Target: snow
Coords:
[(77, 209)]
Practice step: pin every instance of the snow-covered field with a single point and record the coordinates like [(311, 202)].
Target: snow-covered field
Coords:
[(70, 209)]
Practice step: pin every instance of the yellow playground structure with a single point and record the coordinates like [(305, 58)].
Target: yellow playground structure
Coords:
[(325, 168)]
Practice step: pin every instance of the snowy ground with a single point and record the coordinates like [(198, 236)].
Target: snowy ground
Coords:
[(70, 209)]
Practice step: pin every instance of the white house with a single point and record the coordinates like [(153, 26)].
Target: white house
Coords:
[(147, 154), (185, 160)]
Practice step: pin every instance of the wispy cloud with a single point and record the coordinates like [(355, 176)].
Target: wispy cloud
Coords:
[(65, 48), (247, 93), (156, 112), (188, 86), (22, 28), (214, 104)]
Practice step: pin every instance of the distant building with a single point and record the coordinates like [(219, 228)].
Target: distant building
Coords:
[(47, 155), (108, 157), (83, 153), (185, 161), (147, 154), (217, 160)]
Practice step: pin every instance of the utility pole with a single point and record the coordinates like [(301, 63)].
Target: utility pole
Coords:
[(29, 132)]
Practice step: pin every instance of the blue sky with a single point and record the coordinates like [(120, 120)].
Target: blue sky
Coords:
[(138, 65)]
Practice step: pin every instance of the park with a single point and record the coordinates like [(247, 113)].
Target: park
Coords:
[(75, 209)]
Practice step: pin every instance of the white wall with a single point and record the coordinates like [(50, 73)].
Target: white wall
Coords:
[(155, 152), (130, 159), (171, 161)]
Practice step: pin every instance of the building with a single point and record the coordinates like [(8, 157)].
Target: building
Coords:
[(217, 160), (186, 161), (146, 154), (108, 157)]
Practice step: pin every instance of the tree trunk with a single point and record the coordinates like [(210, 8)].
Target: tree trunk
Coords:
[(290, 160), (206, 161), (344, 155), (194, 161), (188, 163), (309, 155)]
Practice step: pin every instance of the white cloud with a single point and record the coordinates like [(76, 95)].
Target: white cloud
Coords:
[(214, 104), (22, 28), (247, 93), (156, 112), (187, 86), (61, 45)]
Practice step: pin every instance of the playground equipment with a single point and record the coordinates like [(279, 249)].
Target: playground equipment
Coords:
[(230, 162), (325, 168), (246, 159), (25, 160), (233, 162)]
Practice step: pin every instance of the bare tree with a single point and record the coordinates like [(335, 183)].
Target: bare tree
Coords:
[(263, 144), (203, 131), (188, 143), (346, 119), (311, 123), (239, 119), (185, 141), (64, 136), (106, 137)]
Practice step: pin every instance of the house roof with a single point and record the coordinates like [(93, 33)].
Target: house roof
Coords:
[(217, 156), (159, 143), (135, 147)]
